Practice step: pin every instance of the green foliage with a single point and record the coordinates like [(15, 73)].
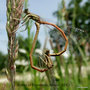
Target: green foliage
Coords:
[(3, 61), (82, 17), (75, 15), (68, 70)]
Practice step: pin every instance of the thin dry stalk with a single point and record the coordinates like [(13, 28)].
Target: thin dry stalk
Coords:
[(14, 10), (50, 73), (51, 77)]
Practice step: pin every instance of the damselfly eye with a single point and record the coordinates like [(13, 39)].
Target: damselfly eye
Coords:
[(26, 11)]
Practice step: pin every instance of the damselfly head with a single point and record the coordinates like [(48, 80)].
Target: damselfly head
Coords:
[(26, 11), (47, 52)]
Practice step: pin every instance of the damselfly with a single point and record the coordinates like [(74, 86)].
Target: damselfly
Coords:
[(38, 21)]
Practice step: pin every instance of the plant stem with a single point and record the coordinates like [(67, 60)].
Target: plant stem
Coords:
[(11, 60), (51, 79), (14, 11), (50, 72)]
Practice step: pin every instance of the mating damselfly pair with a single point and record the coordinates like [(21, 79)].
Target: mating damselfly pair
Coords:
[(47, 61)]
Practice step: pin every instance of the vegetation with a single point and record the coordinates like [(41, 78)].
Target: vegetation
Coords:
[(69, 72)]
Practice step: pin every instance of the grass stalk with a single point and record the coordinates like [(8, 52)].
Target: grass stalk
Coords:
[(14, 11)]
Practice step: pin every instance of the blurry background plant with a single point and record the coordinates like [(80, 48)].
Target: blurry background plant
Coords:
[(71, 71), (2, 62)]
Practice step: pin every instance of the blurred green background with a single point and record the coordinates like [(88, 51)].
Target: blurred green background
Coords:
[(71, 71)]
